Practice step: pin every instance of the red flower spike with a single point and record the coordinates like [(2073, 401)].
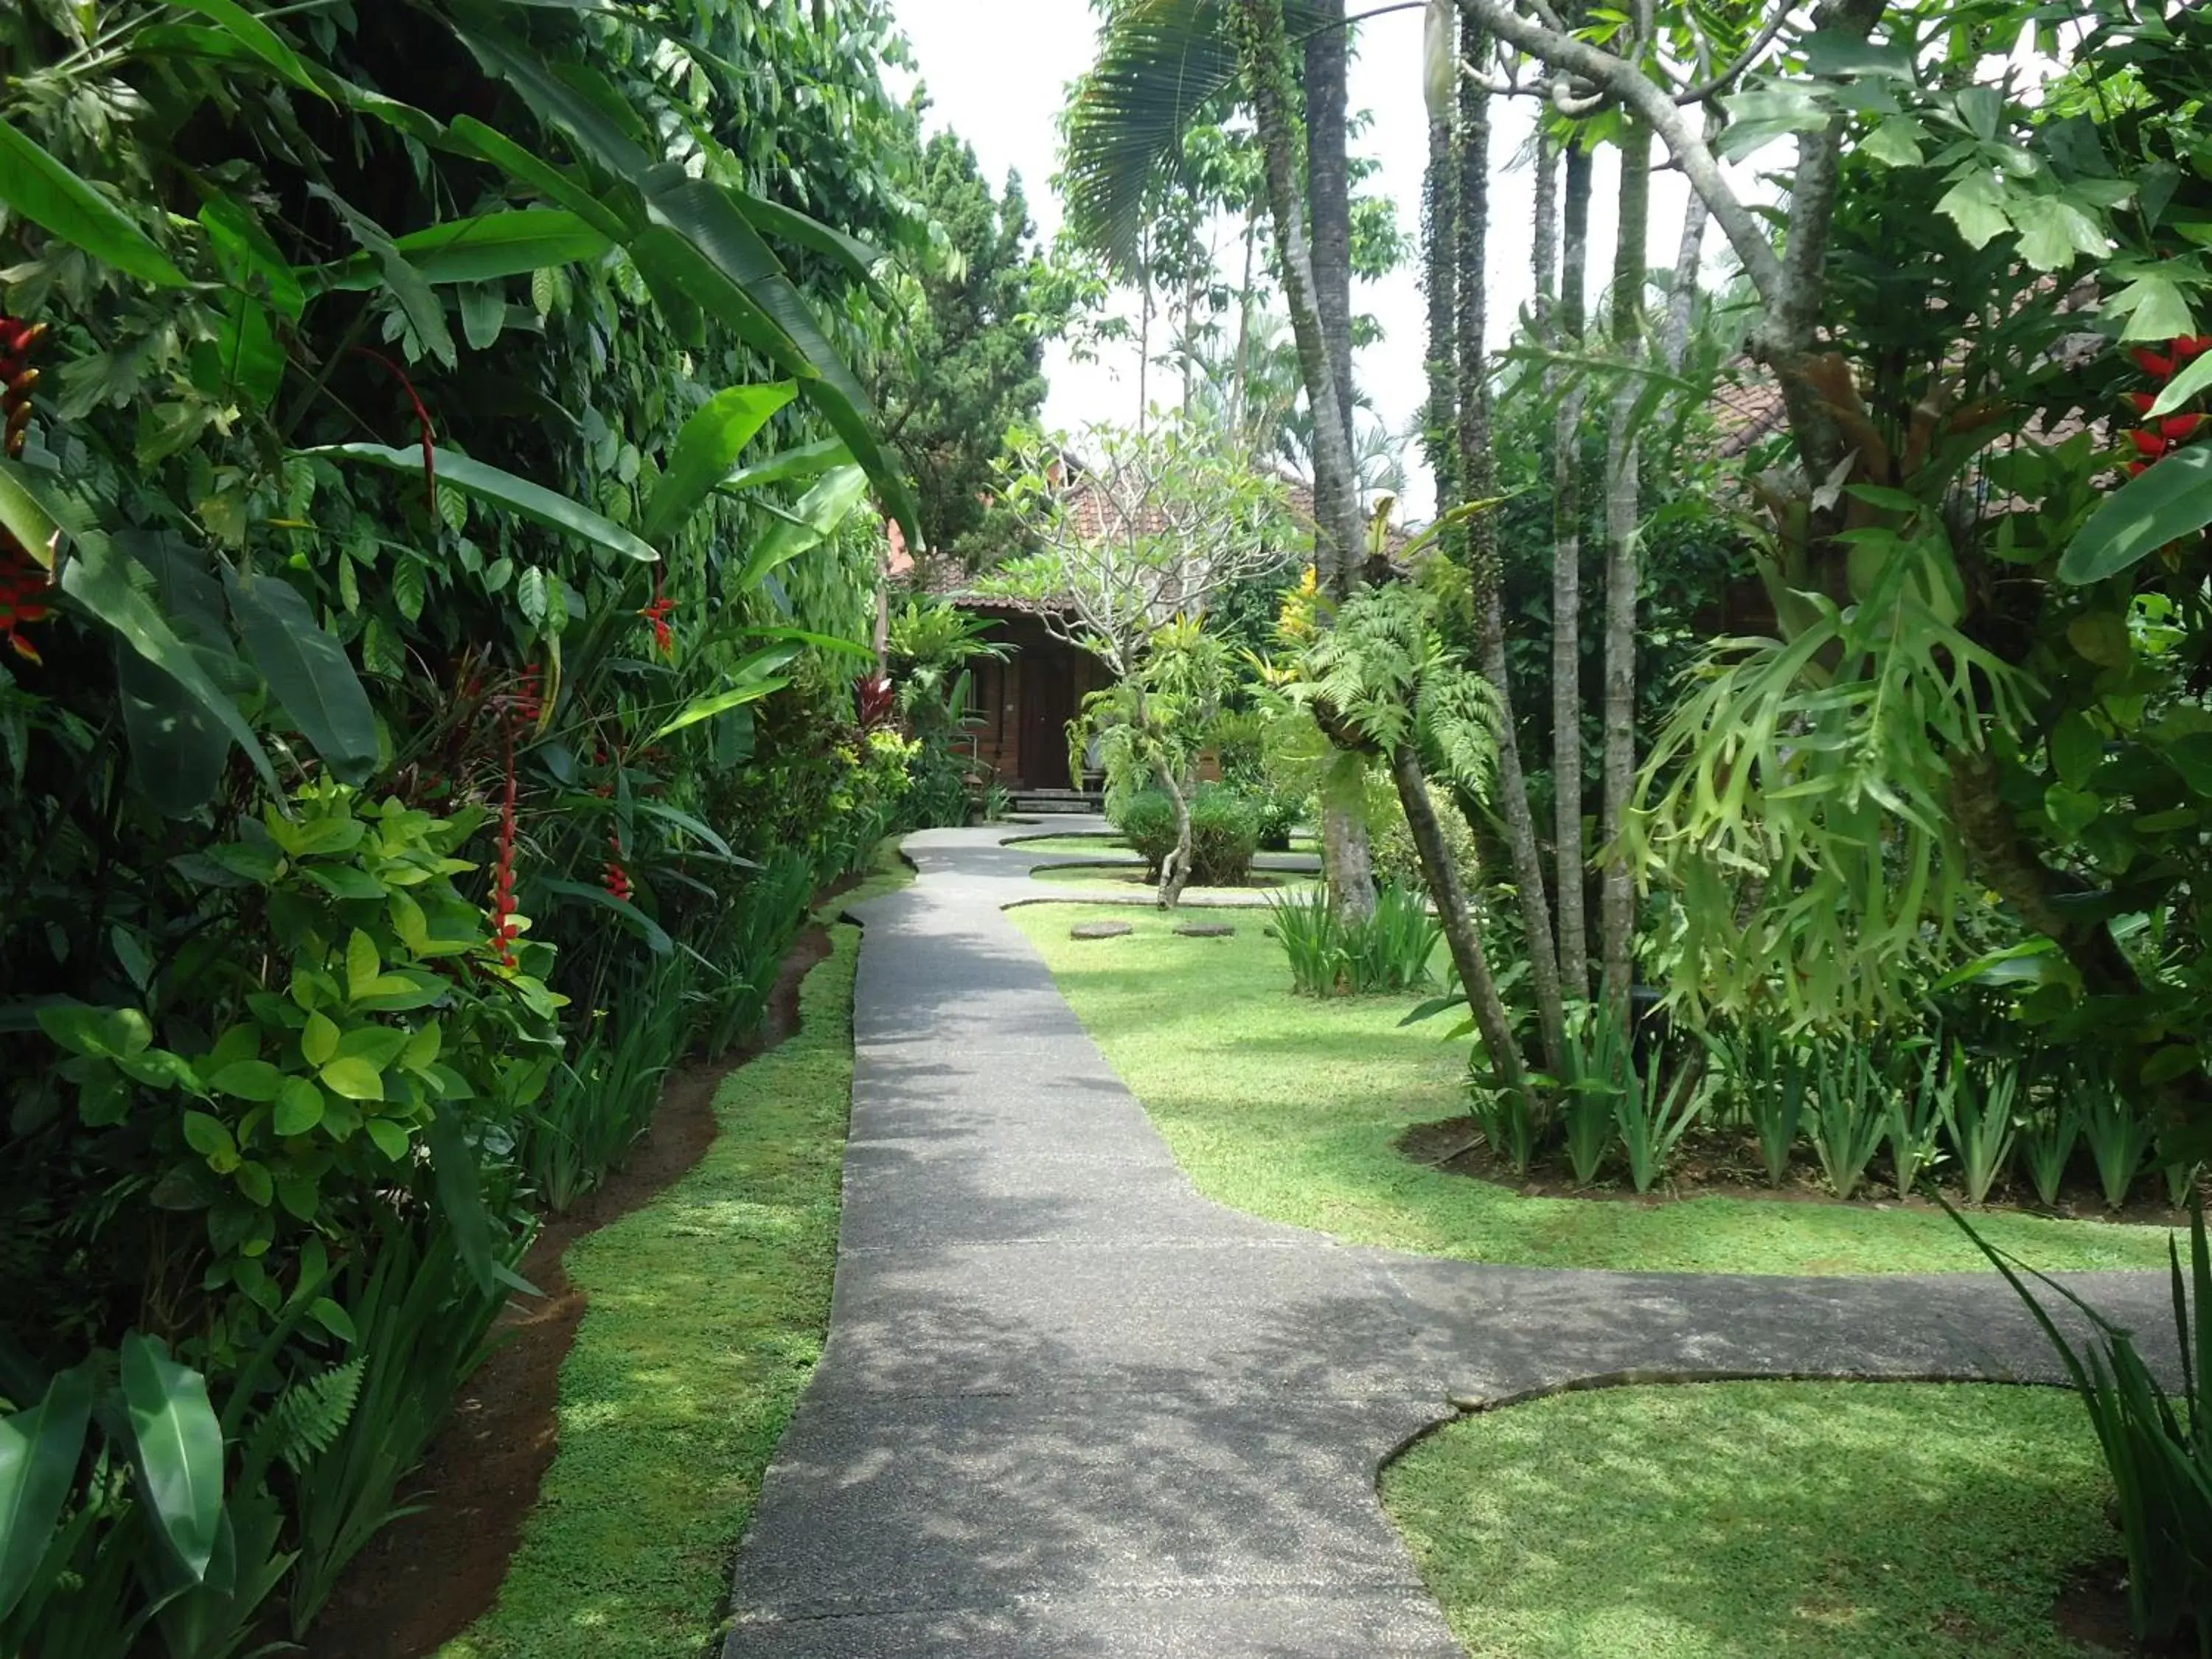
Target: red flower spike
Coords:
[(2141, 402), (2148, 443), (2135, 468), (2159, 369), (2179, 429), (2192, 345), (657, 613)]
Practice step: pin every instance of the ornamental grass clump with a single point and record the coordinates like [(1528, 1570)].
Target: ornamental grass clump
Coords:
[(2157, 1446)]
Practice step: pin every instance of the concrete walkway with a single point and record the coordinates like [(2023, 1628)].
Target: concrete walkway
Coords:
[(1069, 1408)]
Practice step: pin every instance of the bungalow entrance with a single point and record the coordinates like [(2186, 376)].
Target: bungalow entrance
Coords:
[(1023, 705)]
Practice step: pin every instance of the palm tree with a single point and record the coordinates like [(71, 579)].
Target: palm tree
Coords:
[(1162, 63)]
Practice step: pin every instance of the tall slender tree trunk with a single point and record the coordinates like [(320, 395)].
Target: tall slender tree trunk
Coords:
[(1440, 278), (1268, 65), (1144, 328), (1617, 894), (1461, 934), (1329, 184), (1240, 420), (1569, 329), (1478, 469)]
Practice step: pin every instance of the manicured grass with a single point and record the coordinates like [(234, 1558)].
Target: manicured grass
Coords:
[(1743, 1521), (1096, 847), (1132, 876), (705, 1316), (1286, 1108)]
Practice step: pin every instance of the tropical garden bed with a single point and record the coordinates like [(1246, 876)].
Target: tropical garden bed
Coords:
[(1294, 1109)]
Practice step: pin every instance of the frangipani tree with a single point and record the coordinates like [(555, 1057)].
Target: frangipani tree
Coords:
[(1134, 540)]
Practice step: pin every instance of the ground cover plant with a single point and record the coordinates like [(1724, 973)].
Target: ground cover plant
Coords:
[(708, 1310), (1291, 1108), (1739, 1520)]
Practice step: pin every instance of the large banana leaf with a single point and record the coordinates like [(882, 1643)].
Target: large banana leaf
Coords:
[(179, 1447), (490, 483), (711, 253), (490, 144), (36, 186), (256, 37), (481, 249), (39, 1450), (787, 465), (820, 511), (750, 681), (709, 443)]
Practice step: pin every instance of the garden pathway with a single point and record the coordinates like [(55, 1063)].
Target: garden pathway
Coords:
[(1069, 1408)]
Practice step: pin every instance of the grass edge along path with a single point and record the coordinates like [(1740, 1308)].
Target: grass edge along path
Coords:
[(1287, 1106), (706, 1314), (1745, 1520)]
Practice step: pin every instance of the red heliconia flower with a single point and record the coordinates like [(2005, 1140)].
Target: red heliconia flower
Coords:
[(2159, 369), (503, 930), (2179, 429), (616, 881), (2148, 444), (19, 340), (23, 585), (2135, 469), (657, 613), (2191, 346), (2141, 402)]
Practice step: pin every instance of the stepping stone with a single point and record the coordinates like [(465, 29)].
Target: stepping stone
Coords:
[(1099, 930), (1206, 930)]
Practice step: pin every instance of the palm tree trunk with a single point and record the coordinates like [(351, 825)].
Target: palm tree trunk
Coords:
[(1240, 422), (1267, 61), (1572, 859), (1477, 469), (1452, 913), (1440, 278), (1329, 186), (1617, 895)]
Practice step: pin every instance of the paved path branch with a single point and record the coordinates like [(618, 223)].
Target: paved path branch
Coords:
[(1070, 1407)]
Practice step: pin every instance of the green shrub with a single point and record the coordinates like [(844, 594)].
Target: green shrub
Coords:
[(1224, 833), (1397, 862)]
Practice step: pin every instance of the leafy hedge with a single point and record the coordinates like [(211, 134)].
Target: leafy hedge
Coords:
[(434, 587)]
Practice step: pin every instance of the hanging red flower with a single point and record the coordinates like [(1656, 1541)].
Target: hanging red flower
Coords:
[(657, 613), (2158, 367), (19, 341), (23, 585)]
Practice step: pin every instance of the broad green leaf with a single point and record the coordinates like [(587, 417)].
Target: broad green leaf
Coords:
[(26, 514), (594, 131), (103, 1033), (98, 579), (2054, 233), (256, 1080), (2160, 504), (461, 1196), (1975, 203), (483, 315), (353, 1078), (49, 195), (207, 1135), (655, 937), (541, 175), (362, 966), (707, 449), (39, 1451), (488, 484), (299, 1106), (379, 1045), (1894, 142), (774, 219), (2192, 379), (255, 36), (816, 519), (179, 1447), (333, 1318), (308, 670), (751, 681), (529, 595), (391, 1140), (789, 465), (481, 250), (320, 1041), (2156, 309)]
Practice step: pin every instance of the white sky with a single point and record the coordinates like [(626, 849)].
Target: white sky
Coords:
[(996, 72)]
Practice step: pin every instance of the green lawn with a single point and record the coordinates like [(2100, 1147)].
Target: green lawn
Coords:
[(1744, 1521), (1096, 847), (1286, 1108), (706, 1318), (1132, 877)]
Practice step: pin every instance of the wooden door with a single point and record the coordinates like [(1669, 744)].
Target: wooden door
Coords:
[(1048, 705)]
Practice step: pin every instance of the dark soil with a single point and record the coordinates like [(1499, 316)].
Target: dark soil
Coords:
[(430, 1576), (2093, 1609), (1718, 1164)]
